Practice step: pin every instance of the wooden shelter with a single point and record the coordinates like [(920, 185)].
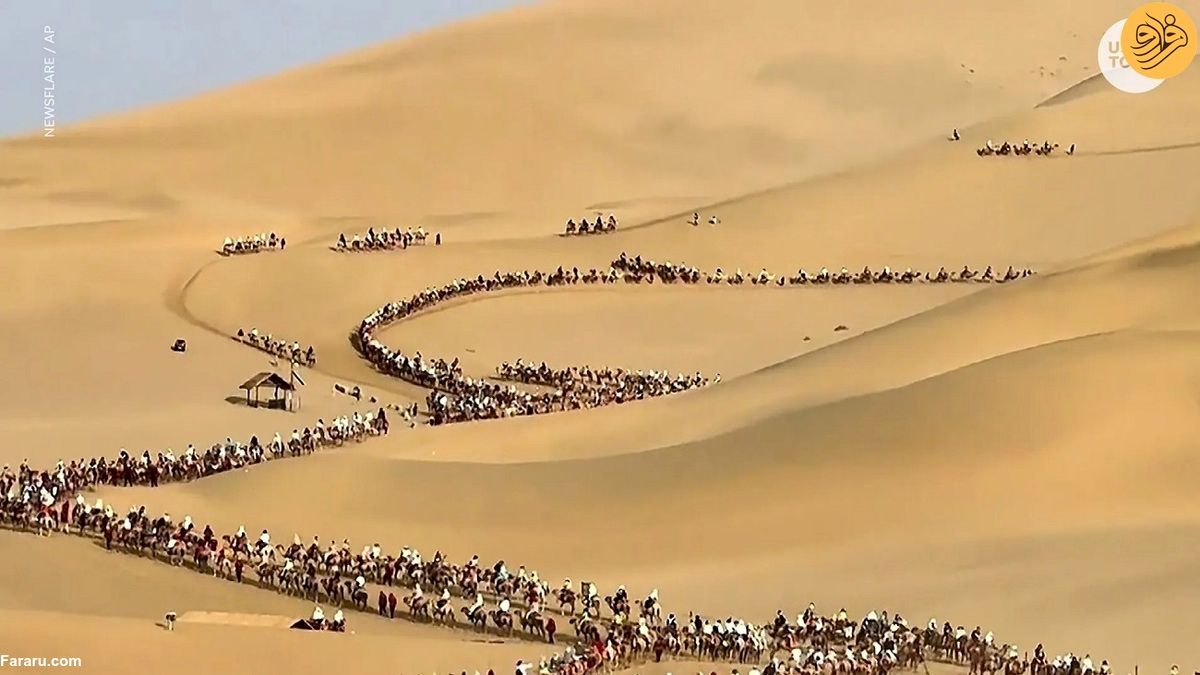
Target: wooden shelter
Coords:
[(274, 382)]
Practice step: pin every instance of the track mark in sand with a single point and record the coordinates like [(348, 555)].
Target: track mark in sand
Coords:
[(1140, 151)]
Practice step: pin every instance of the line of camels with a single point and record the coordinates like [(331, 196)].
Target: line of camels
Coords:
[(605, 631), (608, 631), (292, 351), (455, 397), (583, 227), (384, 240), (254, 243)]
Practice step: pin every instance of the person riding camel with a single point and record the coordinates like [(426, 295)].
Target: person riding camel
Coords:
[(318, 617), (476, 605), (444, 599)]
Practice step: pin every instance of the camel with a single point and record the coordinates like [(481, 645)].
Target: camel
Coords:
[(418, 607), (476, 616), (531, 622), (443, 613), (502, 620)]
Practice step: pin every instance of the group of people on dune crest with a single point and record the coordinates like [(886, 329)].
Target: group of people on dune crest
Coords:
[(292, 351), (1022, 149), (385, 240), (601, 226), (254, 243)]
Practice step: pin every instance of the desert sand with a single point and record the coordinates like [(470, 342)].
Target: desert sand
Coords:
[(1018, 456)]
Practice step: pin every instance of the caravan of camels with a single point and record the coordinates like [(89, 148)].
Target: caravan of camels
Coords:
[(600, 632), (292, 351), (601, 226), (256, 243), (385, 240), (456, 397), (1021, 149), (612, 630)]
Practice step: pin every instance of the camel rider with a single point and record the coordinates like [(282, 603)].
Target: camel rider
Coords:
[(652, 599), (1086, 664), (360, 583), (339, 619), (621, 595), (987, 639), (318, 616), (417, 594), (264, 539), (504, 606), (477, 605), (445, 598)]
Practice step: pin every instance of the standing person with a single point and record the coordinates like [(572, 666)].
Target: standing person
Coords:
[(391, 605), (382, 603), (551, 629)]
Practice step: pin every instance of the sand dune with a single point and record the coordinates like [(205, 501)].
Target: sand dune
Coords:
[(1016, 456)]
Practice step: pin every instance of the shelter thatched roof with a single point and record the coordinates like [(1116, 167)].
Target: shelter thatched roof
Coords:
[(267, 379)]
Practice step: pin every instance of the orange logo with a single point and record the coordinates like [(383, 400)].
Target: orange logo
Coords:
[(1159, 40)]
